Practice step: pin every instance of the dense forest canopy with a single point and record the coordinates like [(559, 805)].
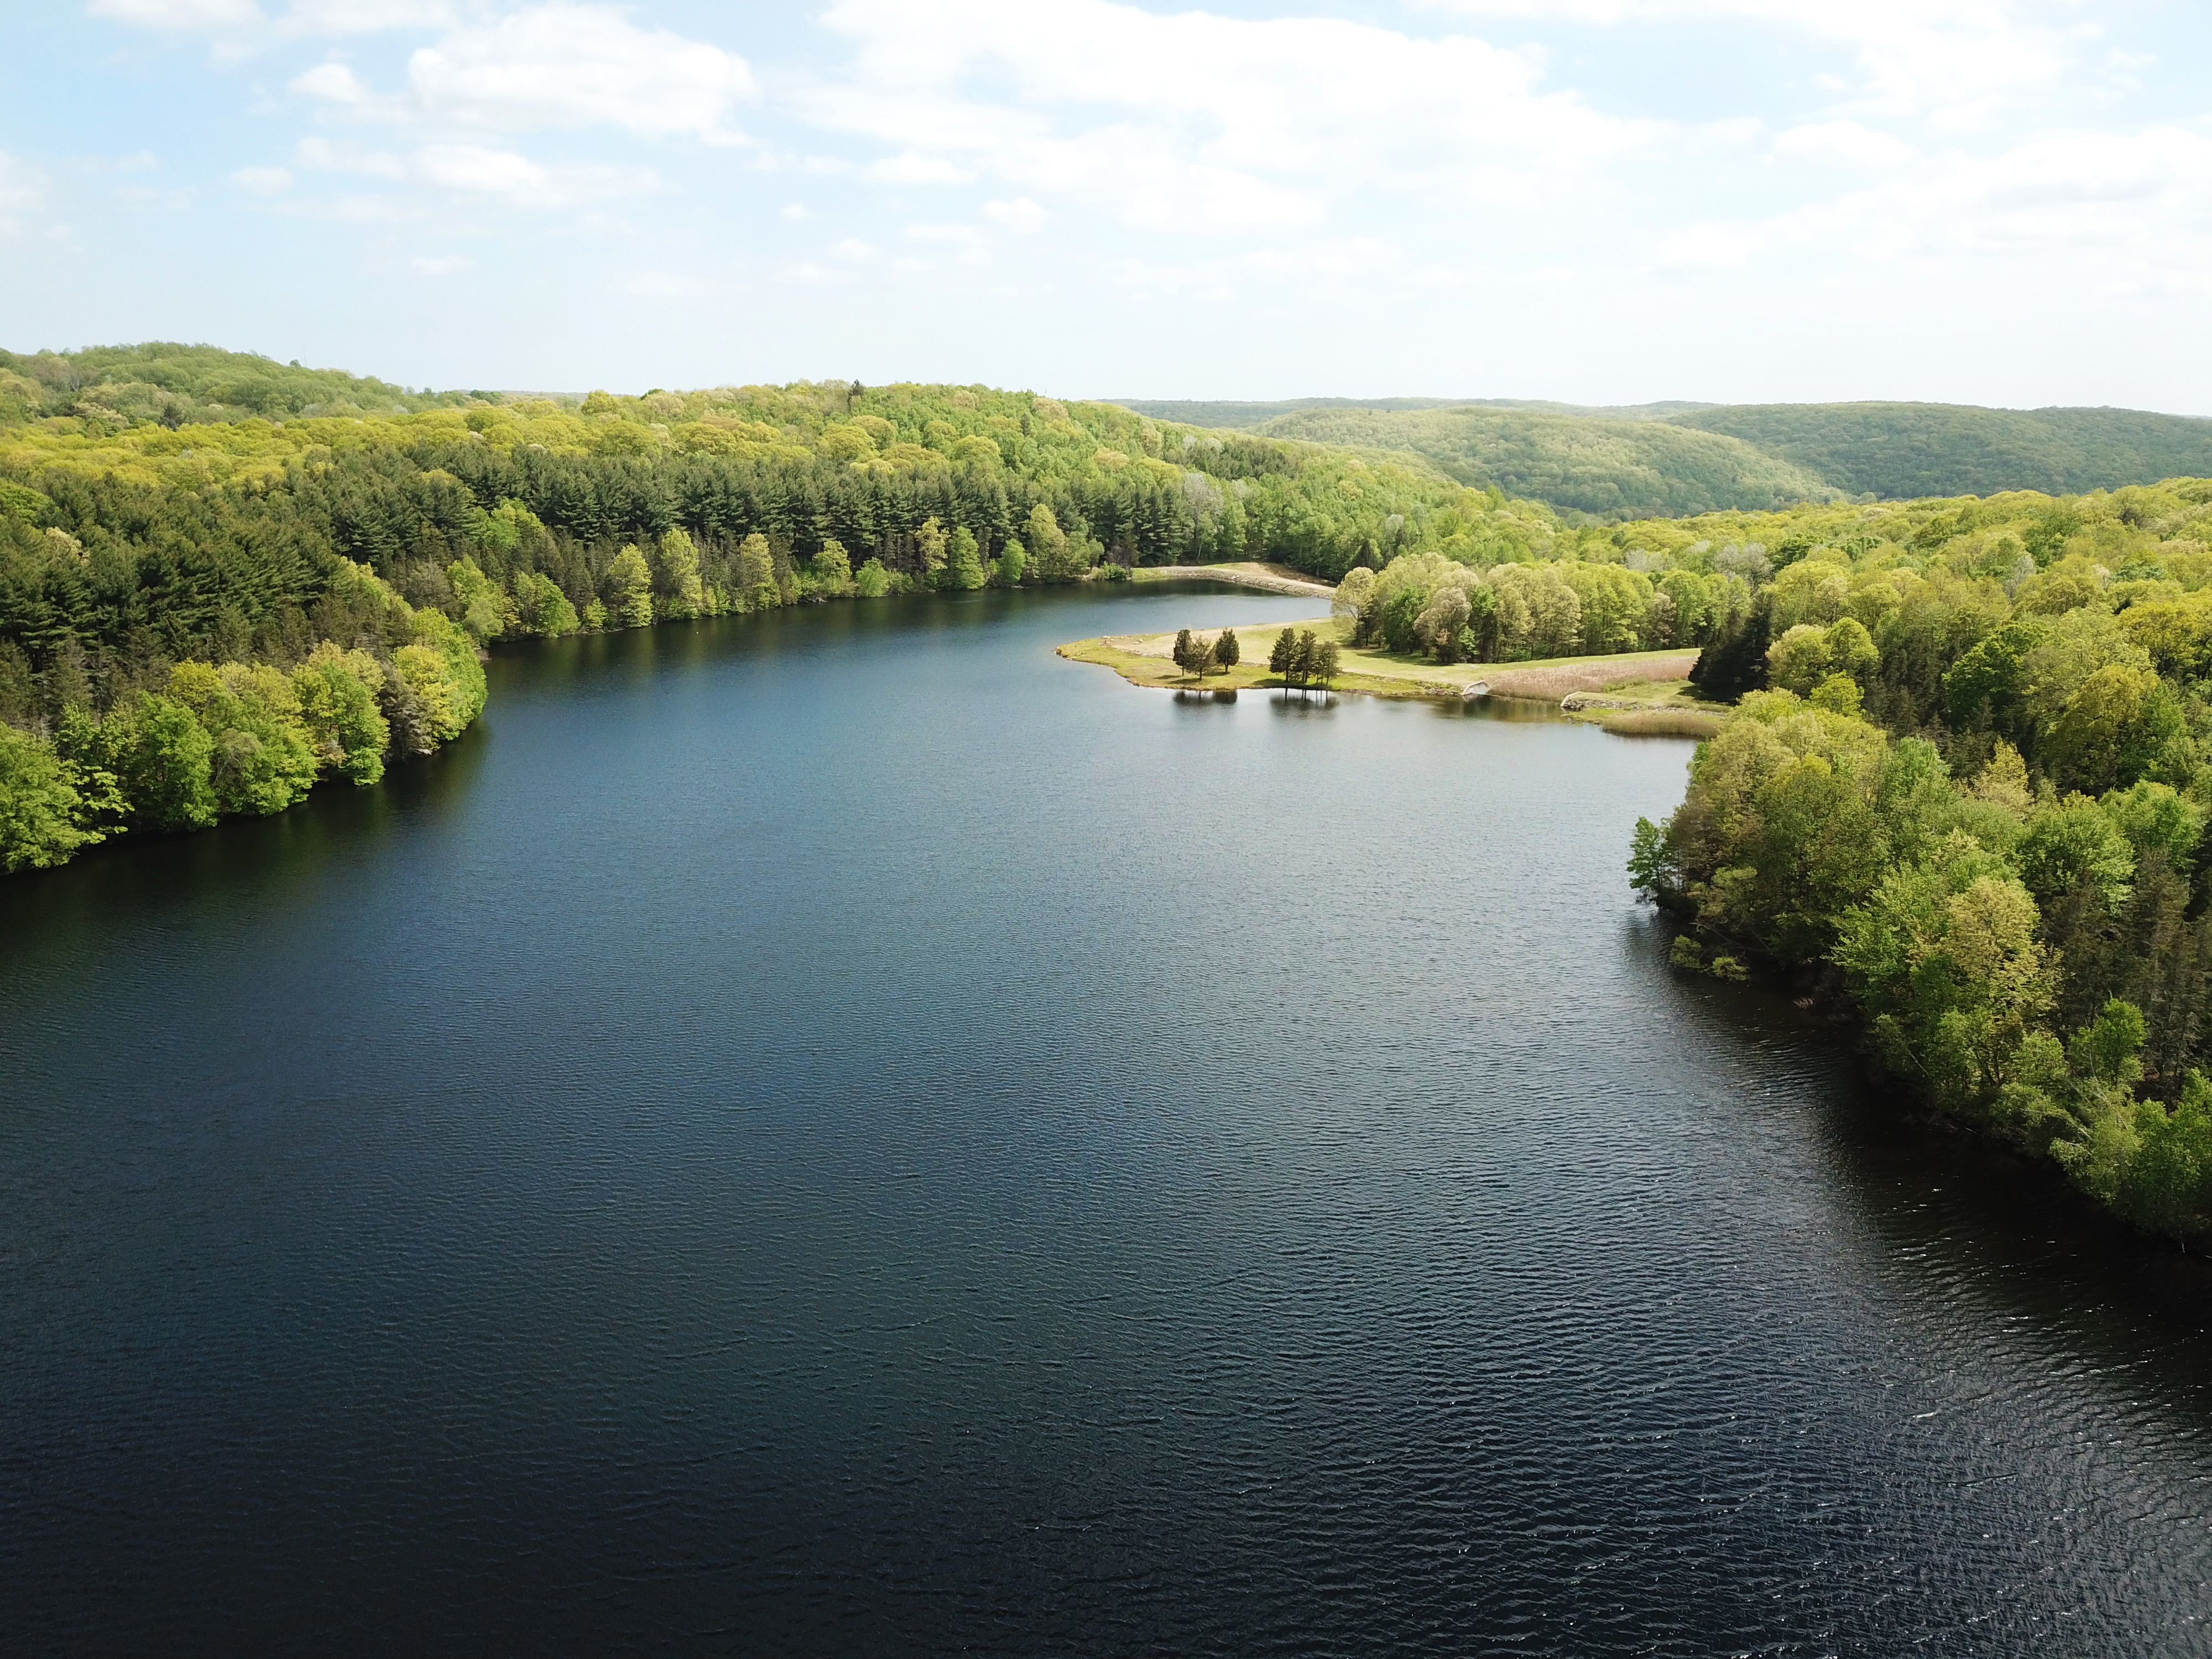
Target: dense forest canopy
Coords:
[(1611, 470), (1898, 450), (119, 386), (1967, 789), (204, 609), (1241, 416), (1587, 461), (1968, 782)]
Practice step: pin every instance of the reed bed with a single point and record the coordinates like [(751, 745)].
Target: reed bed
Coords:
[(1659, 723), (1550, 685)]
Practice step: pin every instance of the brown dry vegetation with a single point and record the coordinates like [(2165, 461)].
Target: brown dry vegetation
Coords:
[(1550, 685), (1659, 723)]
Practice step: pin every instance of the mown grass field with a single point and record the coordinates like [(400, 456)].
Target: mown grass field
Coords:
[(1655, 682)]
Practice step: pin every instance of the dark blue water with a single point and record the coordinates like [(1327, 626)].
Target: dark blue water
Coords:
[(846, 1132)]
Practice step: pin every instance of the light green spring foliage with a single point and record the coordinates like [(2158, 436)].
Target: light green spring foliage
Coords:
[(1429, 604), (1145, 492), (964, 562), (1624, 464), (1979, 791), (1614, 469), (43, 818), (679, 591), (233, 739)]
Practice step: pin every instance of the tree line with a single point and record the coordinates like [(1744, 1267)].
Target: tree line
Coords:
[(1966, 788), (1299, 661), (223, 580)]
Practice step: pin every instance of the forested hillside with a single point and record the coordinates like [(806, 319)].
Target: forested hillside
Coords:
[(1967, 786), (1613, 469), (202, 615), (1244, 416), (1614, 464), (1966, 791), (115, 387), (1900, 450)]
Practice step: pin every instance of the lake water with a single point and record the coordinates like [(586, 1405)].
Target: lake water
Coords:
[(844, 1132)]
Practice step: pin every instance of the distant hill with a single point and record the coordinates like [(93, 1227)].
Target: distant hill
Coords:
[(1901, 451), (173, 384), (1612, 469), (1244, 416)]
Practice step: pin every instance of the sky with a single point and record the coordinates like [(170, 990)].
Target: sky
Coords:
[(2003, 202)]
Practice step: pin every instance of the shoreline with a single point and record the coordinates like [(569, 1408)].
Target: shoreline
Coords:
[(1247, 572), (1633, 694)]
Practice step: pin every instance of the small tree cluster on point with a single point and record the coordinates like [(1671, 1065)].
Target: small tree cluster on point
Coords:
[(1301, 659), (1202, 656)]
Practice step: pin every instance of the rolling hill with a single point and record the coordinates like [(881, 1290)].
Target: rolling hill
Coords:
[(1903, 451), (1242, 417), (1655, 459), (175, 383), (1611, 468)]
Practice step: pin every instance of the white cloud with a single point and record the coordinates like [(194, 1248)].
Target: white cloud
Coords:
[(1020, 213), (853, 248), (910, 168), (505, 176), (305, 17), (321, 153), (364, 16), (442, 264), (179, 13), (1193, 122), (1326, 264), (578, 66), (481, 171), (1842, 144), (2128, 209), (1955, 59), (796, 210), (263, 181), (335, 83)]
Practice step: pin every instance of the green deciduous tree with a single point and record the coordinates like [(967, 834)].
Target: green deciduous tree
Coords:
[(43, 817), (165, 761), (627, 590), (337, 693), (964, 562), (678, 590), (756, 583), (831, 571), (542, 608), (929, 546)]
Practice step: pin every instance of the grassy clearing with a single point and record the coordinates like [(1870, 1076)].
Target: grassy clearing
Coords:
[(1651, 682)]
